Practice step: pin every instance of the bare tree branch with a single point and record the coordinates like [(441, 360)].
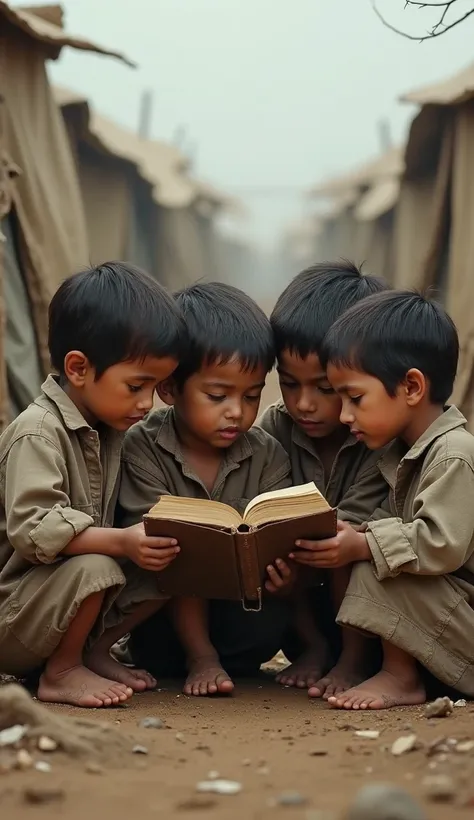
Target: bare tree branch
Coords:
[(438, 29)]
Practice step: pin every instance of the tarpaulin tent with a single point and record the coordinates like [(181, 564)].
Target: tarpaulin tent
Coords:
[(41, 207)]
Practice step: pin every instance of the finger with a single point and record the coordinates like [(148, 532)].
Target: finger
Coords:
[(314, 559), (316, 546), (283, 568), (154, 542), (270, 587), (274, 575), (157, 565), (159, 554)]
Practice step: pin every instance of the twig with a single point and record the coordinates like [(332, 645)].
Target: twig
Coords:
[(436, 31)]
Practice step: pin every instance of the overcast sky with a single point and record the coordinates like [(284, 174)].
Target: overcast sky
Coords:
[(274, 94)]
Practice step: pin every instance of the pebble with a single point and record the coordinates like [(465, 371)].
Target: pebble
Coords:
[(439, 787), (151, 723), (291, 799), (319, 753), (199, 802), (403, 744), (382, 801), (465, 746), (213, 775), (12, 735), (460, 703), (94, 768), (219, 786), (24, 759), (38, 795), (43, 766), (47, 744), (370, 734), (179, 736), (246, 761), (441, 707), (140, 750)]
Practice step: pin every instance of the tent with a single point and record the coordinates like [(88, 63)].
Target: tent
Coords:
[(42, 219)]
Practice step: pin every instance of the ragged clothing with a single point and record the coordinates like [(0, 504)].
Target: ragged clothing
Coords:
[(153, 465), (418, 590), (355, 485), (58, 476)]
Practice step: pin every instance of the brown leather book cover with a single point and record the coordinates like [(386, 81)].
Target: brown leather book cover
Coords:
[(231, 565)]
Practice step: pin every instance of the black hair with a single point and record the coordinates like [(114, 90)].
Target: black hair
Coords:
[(313, 301), (387, 334), (113, 313), (222, 323)]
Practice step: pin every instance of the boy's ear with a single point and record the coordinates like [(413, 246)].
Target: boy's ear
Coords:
[(415, 386), (76, 367), (167, 390)]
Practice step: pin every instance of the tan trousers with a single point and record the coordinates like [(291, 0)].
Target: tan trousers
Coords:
[(429, 617), (42, 604)]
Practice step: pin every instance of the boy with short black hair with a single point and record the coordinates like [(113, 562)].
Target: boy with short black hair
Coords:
[(202, 445), (392, 359), (70, 584), (321, 449)]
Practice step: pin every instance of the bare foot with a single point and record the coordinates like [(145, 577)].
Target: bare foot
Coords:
[(383, 691), (341, 677), (207, 677), (80, 686), (103, 663), (304, 672)]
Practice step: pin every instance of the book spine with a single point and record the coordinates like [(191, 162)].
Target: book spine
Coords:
[(248, 565)]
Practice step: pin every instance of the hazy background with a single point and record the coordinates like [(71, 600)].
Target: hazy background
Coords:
[(266, 96)]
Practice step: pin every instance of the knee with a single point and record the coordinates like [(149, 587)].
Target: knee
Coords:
[(91, 568)]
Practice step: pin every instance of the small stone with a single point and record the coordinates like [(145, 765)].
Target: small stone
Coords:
[(219, 786), (140, 750), (438, 746), (441, 707), (382, 801), (180, 737), (151, 723), (403, 744), (92, 767), (318, 753), (38, 795), (439, 788), (460, 703), (291, 799), (369, 734), (198, 802), (465, 746), (43, 766), (23, 759), (246, 761), (47, 744), (213, 775), (12, 735)]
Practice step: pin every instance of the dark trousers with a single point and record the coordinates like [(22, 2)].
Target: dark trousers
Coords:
[(243, 640)]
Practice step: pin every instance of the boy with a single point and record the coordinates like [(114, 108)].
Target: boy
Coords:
[(322, 450), (67, 590), (201, 445), (392, 360)]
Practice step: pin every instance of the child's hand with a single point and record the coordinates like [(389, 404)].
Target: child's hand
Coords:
[(346, 547), (149, 552), (280, 577)]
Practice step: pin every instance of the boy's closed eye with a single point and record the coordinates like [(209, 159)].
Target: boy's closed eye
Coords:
[(135, 388)]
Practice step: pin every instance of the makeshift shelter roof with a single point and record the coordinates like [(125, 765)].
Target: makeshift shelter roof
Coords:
[(388, 165), (453, 91), (44, 24)]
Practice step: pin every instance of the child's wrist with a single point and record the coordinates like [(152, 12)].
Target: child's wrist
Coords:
[(364, 549)]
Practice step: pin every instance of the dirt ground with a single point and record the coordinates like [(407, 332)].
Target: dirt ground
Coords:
[(269, 739)]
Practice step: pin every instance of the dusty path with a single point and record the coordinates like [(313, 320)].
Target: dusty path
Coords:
[(269, 739)]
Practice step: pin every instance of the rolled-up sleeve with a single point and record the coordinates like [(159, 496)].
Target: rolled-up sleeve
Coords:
[(439, 540), (40, 519)]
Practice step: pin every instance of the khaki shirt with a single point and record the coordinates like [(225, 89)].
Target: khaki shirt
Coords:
[(355, 484), (58, 476), (153, 464), (430, 530)]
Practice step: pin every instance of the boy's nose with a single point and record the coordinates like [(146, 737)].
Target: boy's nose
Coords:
[(305, 403), (346, 417)]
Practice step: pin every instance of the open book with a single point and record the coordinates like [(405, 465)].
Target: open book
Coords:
[(224, 554)]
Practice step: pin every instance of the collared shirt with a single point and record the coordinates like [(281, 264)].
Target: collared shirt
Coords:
[(153, 464), (427, 526), (354, 485), (58, 476)]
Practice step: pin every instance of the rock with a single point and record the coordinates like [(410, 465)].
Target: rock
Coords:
[(246, 761), (219, 786), (370, 734), (12, 735), (382, 801), (180, 737), (42, 766), (47, 744), (23, 759), (38, 795), (151, 723), (465, 746), (140, 750), (291, 799), (460, 703), (404, 744), (94, 768), (441, 707), (213, 775), (439, 787)]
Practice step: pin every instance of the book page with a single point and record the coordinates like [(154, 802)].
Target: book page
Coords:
[(287, 492), (195, 511)]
